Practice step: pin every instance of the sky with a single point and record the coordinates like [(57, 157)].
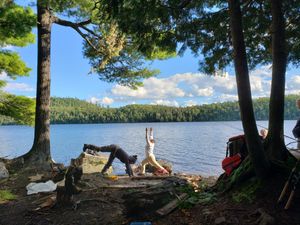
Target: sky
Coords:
[(179, 82)]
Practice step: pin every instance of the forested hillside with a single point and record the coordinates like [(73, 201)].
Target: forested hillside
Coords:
[(72, 110)]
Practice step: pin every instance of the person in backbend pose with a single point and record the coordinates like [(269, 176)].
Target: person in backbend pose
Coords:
[(150, 158), (115, 152)]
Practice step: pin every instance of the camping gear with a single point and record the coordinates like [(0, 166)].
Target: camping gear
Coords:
[(236, 151), (293, 180), (230, 163), (235, 145), (112, 177)]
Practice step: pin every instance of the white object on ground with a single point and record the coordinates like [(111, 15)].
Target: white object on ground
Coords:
[(3, 171), (33, 188)]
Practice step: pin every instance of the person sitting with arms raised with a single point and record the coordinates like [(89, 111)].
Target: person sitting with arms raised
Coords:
[(115, 152), (263, 133), (150, 157)]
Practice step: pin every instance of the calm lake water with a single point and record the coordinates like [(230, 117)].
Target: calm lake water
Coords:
[(194, 147)]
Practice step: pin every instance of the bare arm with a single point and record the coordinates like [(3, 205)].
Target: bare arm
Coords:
[(147, 138), (128, 169), (151, 132)]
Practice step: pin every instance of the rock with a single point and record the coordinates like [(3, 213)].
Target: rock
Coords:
[(206, 212), (3, 171), (167, 165), (220, 220), (36, 177), (93, 163)]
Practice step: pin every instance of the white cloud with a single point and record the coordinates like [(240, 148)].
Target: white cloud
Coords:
[(263, 71), (18, 87), (119, 90), (104, 100), (193, 85), (8, 47), (4, 76), (107, 101), (154, 88), (190, 103), (293, 85), (93, 100), (165, 102), (227, 97), (256, 84), (202, 91)]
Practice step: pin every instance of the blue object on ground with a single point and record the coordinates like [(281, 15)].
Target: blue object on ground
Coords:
[(140, 223)]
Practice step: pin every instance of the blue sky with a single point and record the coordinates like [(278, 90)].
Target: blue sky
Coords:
[(178, 84)]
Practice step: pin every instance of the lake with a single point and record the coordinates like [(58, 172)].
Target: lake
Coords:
[(192, 147)]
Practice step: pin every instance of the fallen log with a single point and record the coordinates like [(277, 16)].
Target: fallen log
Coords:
[(124, 186), (171, 205), (151, 177)]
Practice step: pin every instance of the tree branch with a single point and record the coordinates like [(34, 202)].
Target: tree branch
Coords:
[(76, 27), (83, 23)]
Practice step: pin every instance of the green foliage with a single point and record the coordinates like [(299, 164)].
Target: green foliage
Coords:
[(16, 23), (196, 197), (148, 24), (11, 63), (113, 54), (20, 108), (203, 27), (124, 66), (71, 110), (6, 195), (247, 191)]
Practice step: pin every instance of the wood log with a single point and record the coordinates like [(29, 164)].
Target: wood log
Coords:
[(65, 194), (171, 205)]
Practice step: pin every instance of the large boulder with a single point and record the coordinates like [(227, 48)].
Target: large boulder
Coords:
[(164, 163), (3, 171), (93, 163)]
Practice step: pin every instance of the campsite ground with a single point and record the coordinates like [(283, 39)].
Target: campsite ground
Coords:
[(107, 201)]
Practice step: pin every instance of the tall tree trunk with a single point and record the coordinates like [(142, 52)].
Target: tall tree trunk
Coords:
[(40, 151), (275, 142), (254, 144)]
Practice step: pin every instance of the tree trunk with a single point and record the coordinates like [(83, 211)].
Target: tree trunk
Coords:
[(275, 142), (40, 151), (254, 144)]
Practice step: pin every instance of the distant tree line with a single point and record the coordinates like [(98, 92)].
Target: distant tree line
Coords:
[(72, 110)]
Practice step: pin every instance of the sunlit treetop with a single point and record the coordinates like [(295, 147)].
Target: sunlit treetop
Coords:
[(114, 54), (16, 23), (203, 27)]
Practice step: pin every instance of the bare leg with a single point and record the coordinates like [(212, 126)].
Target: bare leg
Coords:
[(107, 148), (144, 163), (154, 163)]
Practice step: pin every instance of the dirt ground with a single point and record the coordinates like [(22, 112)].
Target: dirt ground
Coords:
[(122, 201)]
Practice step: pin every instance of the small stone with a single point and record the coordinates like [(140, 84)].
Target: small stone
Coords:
[(3, 171), (206, 212), (220, 220)]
